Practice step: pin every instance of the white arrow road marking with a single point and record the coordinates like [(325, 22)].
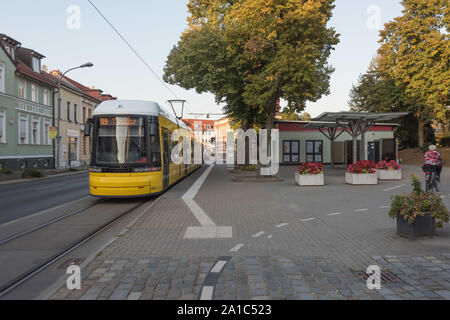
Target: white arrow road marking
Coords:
[(208, 229)]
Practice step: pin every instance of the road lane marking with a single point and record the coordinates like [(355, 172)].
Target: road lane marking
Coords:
[(307, 220), (219, 266), (259, 234), (396, 187), (269, 237), (42, 212), (207, 293), (443, 197), (281, 225), (193, 190), (361, 210), (237, 248), (207, 229), (198, 212), (384, 207), (335, 214)]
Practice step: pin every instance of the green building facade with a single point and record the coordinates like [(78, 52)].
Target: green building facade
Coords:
[(26, 108)]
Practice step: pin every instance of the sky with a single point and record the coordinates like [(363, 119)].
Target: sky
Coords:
[(153, 27)]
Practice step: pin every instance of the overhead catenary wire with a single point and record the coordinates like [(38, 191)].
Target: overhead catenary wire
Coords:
[(133, 50)]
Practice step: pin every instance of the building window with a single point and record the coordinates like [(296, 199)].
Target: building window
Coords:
[(8, 48), (2, 77), (291, 151), (23, 129), (68, 111), (46, 97), (36, 131), (2, 126), (36, 64), (73, 154), (47, 139), (22, 89), (314, 151), (75, 113), (34, 93), (84, 114)]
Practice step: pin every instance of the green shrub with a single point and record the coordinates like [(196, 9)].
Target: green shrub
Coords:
[(250, 167), (33, 173), (418, 203), (5, 171)]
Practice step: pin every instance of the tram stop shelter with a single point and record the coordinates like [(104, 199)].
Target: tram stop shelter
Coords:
[(333, 124)]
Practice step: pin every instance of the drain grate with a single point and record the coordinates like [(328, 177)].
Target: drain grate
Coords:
[(386, 277)]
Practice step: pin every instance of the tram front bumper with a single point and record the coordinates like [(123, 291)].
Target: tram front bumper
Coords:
[(102, 185)]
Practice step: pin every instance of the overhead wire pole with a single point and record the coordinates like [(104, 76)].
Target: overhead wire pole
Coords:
[(133, 50)]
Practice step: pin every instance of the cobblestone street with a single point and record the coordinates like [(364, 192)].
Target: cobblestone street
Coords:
[(287, 243)]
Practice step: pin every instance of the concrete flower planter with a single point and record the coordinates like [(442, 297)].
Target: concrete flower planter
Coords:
[(423, 226), (309, 179), (361, 178), (390, 174)]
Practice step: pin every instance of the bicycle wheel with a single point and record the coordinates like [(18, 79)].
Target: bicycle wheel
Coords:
[(427, 183), (437, 184)]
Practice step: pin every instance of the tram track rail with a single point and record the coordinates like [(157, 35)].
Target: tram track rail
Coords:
[(17, 280), (50, 222)]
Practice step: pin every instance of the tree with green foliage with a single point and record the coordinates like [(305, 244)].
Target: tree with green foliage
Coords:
[(251, 53), (375, 93), (290, 115), (415, 54)]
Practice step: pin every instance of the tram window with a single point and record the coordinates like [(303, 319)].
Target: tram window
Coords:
[(155, 146), (121, 141)]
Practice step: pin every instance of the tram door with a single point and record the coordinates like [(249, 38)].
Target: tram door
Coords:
[(166, 155)]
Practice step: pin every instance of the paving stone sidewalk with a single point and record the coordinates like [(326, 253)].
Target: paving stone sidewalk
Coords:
[(282, 254)]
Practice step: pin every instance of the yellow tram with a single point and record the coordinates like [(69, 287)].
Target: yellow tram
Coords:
[(131, 144)]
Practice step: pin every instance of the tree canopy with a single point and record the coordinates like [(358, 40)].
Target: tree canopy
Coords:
[(251, 53), (415, 54)]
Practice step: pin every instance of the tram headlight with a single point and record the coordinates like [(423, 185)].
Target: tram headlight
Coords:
[(96, 170)]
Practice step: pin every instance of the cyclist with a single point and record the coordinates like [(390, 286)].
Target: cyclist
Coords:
[(433, 159)]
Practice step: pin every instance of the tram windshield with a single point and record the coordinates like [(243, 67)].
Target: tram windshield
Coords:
[(120, 141)]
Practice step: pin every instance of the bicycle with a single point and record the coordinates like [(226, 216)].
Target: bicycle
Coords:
[(432, 182)]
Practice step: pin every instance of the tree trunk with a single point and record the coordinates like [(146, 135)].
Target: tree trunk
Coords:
[(421, 131)]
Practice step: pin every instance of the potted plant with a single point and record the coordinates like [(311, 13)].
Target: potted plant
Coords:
[(418, 213), (362, 172), (389, 170), (310, 174)]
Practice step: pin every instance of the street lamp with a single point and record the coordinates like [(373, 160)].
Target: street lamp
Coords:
[(58, 137)]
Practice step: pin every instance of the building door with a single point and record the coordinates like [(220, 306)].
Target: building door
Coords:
[(291, 151), (166, 155), (373, 149), (72, 150), (314, 151), (388, 151)]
